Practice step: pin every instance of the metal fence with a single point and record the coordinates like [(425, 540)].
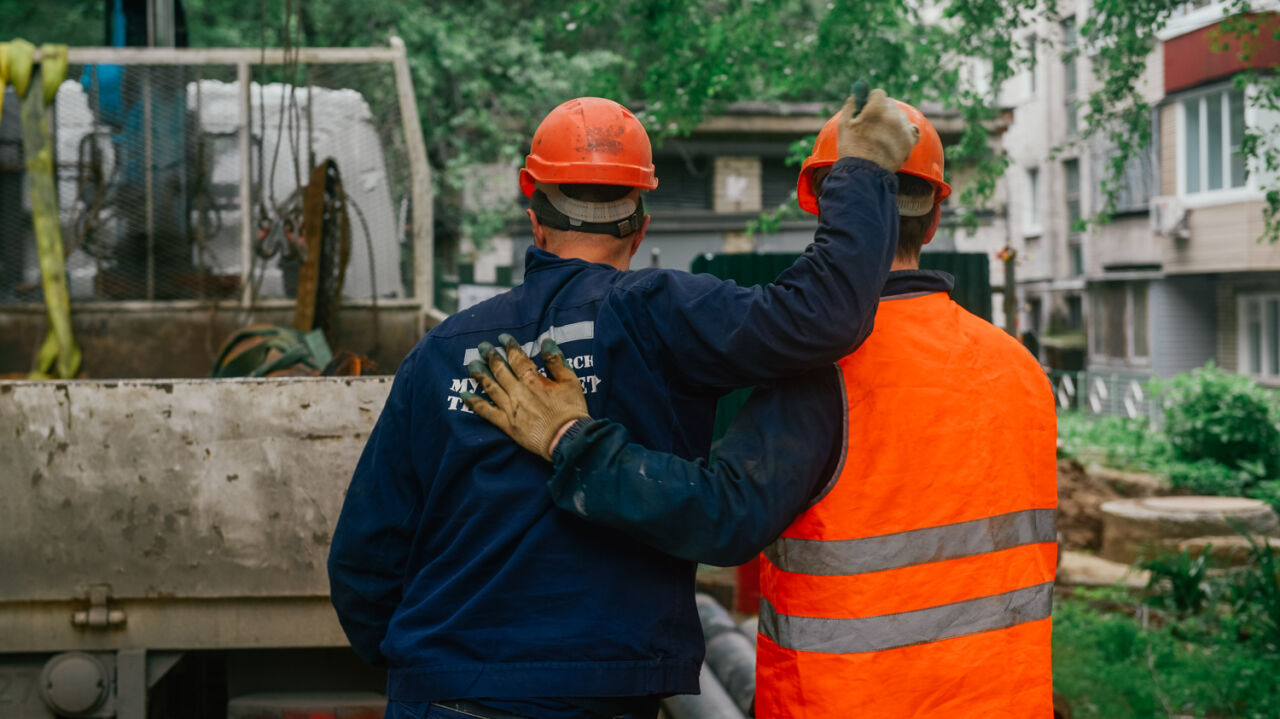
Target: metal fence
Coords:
[(180, 174), (1103, 393)]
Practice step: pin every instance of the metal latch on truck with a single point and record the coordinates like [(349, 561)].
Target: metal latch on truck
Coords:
[(99, 615)]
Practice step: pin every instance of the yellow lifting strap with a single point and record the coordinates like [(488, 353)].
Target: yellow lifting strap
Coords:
[(4, 71), (58, 357)]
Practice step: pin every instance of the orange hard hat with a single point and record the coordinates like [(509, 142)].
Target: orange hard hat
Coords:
[(589, 141), (925, 160)]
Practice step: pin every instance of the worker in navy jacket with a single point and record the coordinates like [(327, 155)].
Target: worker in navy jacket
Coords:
[(450, 564)]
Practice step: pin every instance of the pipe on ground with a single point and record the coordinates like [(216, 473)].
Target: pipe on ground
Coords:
[(750, 628), (730, 655), (712, 703)]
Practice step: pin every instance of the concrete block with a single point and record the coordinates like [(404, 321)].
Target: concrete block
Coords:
[(1148, 527)]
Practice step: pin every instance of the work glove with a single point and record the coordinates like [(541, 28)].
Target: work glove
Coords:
[(530, 408), (878, 131)]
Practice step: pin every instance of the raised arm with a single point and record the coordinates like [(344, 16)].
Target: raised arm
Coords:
[(821, 308)]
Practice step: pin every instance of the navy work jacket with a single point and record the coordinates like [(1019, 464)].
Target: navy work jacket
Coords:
[(451, 565)]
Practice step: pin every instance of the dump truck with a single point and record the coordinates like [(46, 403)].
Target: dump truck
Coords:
[(163, 541)]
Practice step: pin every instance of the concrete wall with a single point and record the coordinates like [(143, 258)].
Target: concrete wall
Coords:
[(737, 184), (1125, 242), (1223, 238)]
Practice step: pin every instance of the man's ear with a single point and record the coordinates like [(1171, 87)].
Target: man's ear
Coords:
[(638, 238), (539, 232)]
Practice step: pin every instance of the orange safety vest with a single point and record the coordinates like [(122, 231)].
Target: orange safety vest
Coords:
[(920, 583)]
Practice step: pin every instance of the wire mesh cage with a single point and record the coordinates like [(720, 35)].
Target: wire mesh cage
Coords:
[(186, 181)]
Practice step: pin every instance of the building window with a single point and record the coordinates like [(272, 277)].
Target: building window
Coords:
[(1187, 8), (1260, 336), (1119, 321), (686, 183), (1071, 76), (1137, 184), (1033, 199), (1117, 339), (1075, 257), (1097, 321), (1138, 326), (1071, 171), (777, 181), (1075, 312), (1035, 308), (1212, 130)]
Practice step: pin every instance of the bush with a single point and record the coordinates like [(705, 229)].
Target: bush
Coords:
[(1220, 437), (1209, 477), (1223, 417), (1118, 442)]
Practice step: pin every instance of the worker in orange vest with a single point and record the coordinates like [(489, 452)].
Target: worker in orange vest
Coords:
[(905, 497)]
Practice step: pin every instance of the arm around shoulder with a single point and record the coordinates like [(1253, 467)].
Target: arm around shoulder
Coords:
[(780, 451)]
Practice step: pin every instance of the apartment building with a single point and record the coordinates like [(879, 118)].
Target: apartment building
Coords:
[(1179, 277)]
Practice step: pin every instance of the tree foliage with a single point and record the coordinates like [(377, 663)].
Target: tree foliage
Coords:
[(486, 70)]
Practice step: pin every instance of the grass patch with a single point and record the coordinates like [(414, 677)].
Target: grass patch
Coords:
[(1194, 643), (1110, 663)]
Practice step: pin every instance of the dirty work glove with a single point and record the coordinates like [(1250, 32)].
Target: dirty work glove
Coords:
[(530, 408), (878, 131)]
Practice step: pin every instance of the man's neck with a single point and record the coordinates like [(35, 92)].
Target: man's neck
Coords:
[(898, 264), (591, 253)]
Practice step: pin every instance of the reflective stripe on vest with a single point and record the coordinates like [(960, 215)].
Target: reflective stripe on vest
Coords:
[(890, 631), (919, 546)]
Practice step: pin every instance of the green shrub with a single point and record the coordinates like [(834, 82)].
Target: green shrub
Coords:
[(1254, 597), (1209, 477), (1221, 416), (1180, 582), (1118, 442)]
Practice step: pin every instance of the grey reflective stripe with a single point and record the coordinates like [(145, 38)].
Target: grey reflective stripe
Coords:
[(568, 333), (890, 631), (918, 546)]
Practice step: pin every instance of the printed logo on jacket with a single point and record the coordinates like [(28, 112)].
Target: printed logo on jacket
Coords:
[(575, 332)]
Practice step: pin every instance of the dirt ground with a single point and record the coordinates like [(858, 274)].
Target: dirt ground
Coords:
[(1079, 497)]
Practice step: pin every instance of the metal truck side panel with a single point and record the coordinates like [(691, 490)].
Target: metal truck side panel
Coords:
[(176, 489)]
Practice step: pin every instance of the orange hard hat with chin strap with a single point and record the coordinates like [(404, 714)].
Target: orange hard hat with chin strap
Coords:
[(925, 161), (589, 141)]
